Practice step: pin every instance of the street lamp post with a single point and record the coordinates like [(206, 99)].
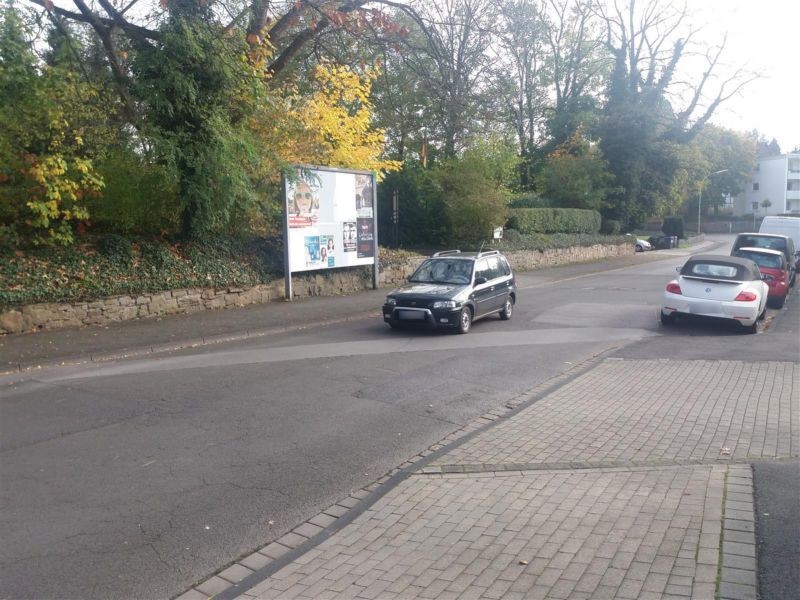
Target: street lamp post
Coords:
[(700, 195)]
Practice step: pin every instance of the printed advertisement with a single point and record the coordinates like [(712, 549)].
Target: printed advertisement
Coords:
[(366, 239), (349, 236)]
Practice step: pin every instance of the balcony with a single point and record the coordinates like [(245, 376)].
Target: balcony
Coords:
[(793, 175), (792, 195)]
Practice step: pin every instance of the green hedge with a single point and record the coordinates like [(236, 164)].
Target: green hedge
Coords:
[(514, 240), (554, 220), (611, 227)]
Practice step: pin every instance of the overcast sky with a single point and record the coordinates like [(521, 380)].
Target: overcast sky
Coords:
[(765, 35)]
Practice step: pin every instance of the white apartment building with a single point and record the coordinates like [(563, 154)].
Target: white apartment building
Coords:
[(777, 179)]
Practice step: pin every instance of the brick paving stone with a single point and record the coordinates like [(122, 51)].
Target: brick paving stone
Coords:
[(256, 561), (308, 530), (630, 588), (738, 549), (213, 586), (703, 591), (737, 525), (235, 573), (291, 540), (734, 591), (575, 422)]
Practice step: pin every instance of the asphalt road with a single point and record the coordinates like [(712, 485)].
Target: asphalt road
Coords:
[(138, 478)]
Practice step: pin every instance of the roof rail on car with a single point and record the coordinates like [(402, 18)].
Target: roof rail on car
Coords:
[(488, 253), (446, 252)]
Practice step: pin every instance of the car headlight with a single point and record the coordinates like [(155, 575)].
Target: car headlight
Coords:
[(391, 301), (444, 304)]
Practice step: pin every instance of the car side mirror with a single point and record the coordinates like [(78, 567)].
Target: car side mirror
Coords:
[(480, 280), (766, 277), (678, 269)]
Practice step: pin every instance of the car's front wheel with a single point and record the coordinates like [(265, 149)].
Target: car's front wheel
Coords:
[(508, 309), (464, 320)]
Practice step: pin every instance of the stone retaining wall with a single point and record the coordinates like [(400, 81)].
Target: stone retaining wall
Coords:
[(34, 317)]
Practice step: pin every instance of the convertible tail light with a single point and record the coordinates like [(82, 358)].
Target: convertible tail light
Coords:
[(745, 297), (674, 288)]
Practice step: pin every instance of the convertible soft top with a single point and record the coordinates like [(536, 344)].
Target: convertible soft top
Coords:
[(745, 269)]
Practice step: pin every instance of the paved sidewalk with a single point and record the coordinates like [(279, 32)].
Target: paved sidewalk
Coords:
[(620, 479)]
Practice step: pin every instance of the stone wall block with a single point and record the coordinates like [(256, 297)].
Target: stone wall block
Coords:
[(11, 321), (214, 303), (163, 306)]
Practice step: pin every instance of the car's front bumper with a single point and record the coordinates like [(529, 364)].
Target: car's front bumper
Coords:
[(421, 317), (745, 313)]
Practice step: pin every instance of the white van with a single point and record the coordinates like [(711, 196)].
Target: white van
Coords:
[(788, 226)]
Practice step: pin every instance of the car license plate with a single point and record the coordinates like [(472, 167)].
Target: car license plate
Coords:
[(411, 315)]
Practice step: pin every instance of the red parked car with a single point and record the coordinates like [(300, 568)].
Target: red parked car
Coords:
[(771, 263)]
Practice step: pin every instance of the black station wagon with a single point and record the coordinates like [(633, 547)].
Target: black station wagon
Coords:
[(451, 289)]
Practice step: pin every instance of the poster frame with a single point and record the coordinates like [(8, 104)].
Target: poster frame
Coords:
[(288, 293)]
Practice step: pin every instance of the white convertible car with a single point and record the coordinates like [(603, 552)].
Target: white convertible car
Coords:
[(723, 287)]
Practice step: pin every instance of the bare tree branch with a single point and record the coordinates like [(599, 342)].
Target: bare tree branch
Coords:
[(91, 18)]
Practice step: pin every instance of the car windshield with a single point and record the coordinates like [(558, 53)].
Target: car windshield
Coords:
[(768, 261), (443, 270)]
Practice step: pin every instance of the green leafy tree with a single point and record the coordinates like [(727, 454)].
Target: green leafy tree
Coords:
[(576, 175), (194, 86), (642, 133), (52, 127), (718, 149), (474, 190)]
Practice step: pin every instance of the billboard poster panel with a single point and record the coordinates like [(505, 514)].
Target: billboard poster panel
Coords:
[(330, 220)]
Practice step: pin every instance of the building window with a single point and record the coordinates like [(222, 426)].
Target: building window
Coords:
[(755, 187), (755, 205)]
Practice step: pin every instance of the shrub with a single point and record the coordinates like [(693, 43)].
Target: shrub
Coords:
[(611, 227), (157, 258), (554, 220), (673, 226), (9, 238), (117, 249), (527, 200), (474, 202)]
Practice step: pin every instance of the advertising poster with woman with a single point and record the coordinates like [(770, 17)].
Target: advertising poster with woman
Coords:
[(329, 219), (303, 206)]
